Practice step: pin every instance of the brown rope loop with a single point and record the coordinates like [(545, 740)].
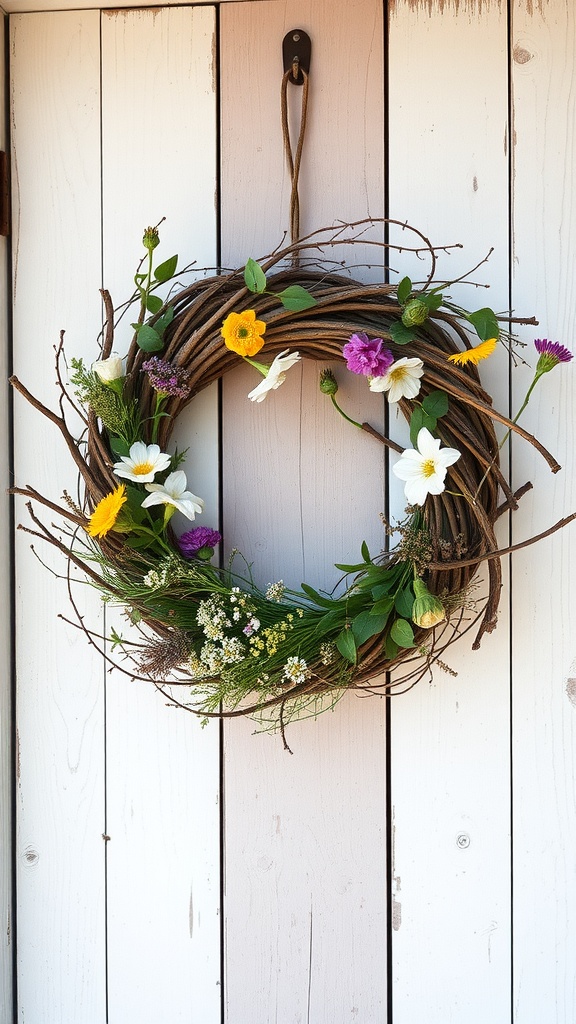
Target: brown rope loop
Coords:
[(294, 158)]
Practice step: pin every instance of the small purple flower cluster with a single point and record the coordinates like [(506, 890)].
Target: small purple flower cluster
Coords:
[(367, 356), (200, 539), (166, 378)]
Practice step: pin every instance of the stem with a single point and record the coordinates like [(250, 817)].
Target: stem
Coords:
[(342, 413), (509, 431), (156, 416)]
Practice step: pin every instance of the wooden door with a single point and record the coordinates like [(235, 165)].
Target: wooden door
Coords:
[(171, 873)]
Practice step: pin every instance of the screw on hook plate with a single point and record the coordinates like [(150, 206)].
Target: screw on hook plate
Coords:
[(296, 51)]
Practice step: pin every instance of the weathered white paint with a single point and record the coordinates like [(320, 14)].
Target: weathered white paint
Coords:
[(304, 834), (543, 634), (448, 135), (60, 705)]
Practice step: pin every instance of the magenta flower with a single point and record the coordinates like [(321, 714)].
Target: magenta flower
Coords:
[(166, 378), (367, 356), (199, 543), (550, 354)]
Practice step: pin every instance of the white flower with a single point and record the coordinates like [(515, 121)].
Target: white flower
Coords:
[(424, 469), (143, 462), (401, 381), (275, 376), (109, 369), (173, 492)]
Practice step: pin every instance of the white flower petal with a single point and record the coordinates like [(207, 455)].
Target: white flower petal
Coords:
[(173, 492), (109, 369), (275, 376), (401, 381), (424, 469), (142, 463)]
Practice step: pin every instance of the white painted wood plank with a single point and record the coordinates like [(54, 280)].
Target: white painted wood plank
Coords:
[(6, 753), (56, 257), (159, 153), (304, 835), (544, 653), (450, 765)]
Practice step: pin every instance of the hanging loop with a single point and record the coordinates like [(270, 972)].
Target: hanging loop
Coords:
[(296, 52)]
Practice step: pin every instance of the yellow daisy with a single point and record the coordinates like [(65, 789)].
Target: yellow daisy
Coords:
[(474, 355), (106, 512), (242, 333)]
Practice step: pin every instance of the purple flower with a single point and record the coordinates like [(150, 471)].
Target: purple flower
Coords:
[(166, 378), (366, 356), (199, 542), (550, 353)]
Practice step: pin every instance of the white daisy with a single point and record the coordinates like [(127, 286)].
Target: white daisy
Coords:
[(173, 492), (424, 469), (275, 376), (142, 464), (401, 381)]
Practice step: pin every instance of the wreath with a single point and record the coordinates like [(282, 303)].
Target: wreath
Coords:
[(279, 654)]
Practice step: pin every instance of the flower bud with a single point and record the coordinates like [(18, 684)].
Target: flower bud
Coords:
[(151, 238), (427, 610), (415, 313), (328, 383), (109, 369)]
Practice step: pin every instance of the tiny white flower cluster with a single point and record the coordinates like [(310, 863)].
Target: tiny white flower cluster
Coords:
[(168, 570), (296, 670), (217, 615), (275, 591)]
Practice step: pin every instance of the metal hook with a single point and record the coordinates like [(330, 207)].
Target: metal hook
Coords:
[(296, 52)]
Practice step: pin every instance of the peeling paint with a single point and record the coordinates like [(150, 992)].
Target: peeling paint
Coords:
[(571, 691), (441, 6), (396, 914)]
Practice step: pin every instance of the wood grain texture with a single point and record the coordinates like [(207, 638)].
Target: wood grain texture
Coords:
[(60, 707), (450, 758), (304, 834), (159, 159), (544, 651)]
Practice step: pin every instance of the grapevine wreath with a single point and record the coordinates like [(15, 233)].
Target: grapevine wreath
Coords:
[(278, 654)]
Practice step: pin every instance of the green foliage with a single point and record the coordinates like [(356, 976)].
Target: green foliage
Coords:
[(484, 323)]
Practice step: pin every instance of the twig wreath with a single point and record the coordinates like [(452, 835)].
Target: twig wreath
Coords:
[(279, 654)]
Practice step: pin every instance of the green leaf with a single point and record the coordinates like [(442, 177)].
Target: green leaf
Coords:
[(164, 320), (254, 277), (366, 625), (433, 300), (148, 339), (134, 502), (403, 290), (118, 446), (436, 404), (344, 567), (154, 303), (328, 621), (382, 589), (402, 633), (166, 270), (324, 602), (400, 334), (296, 298), (390, 647), (383, 607), (419, 419), (365, 552), (485, 323), (404, 601), (346, 644)]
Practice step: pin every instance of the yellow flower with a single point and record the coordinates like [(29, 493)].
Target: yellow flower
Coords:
[(106, 512), (474, 355), (242, 333)]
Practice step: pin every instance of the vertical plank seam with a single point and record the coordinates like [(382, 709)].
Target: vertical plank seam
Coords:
[(510, 25), (12, 734), (104, 672)]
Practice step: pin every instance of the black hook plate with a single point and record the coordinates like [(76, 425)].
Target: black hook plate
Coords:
[(296, 50)]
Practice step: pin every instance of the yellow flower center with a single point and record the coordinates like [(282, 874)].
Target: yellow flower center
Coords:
[(141, 468), (428, 467), (398, 374)]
